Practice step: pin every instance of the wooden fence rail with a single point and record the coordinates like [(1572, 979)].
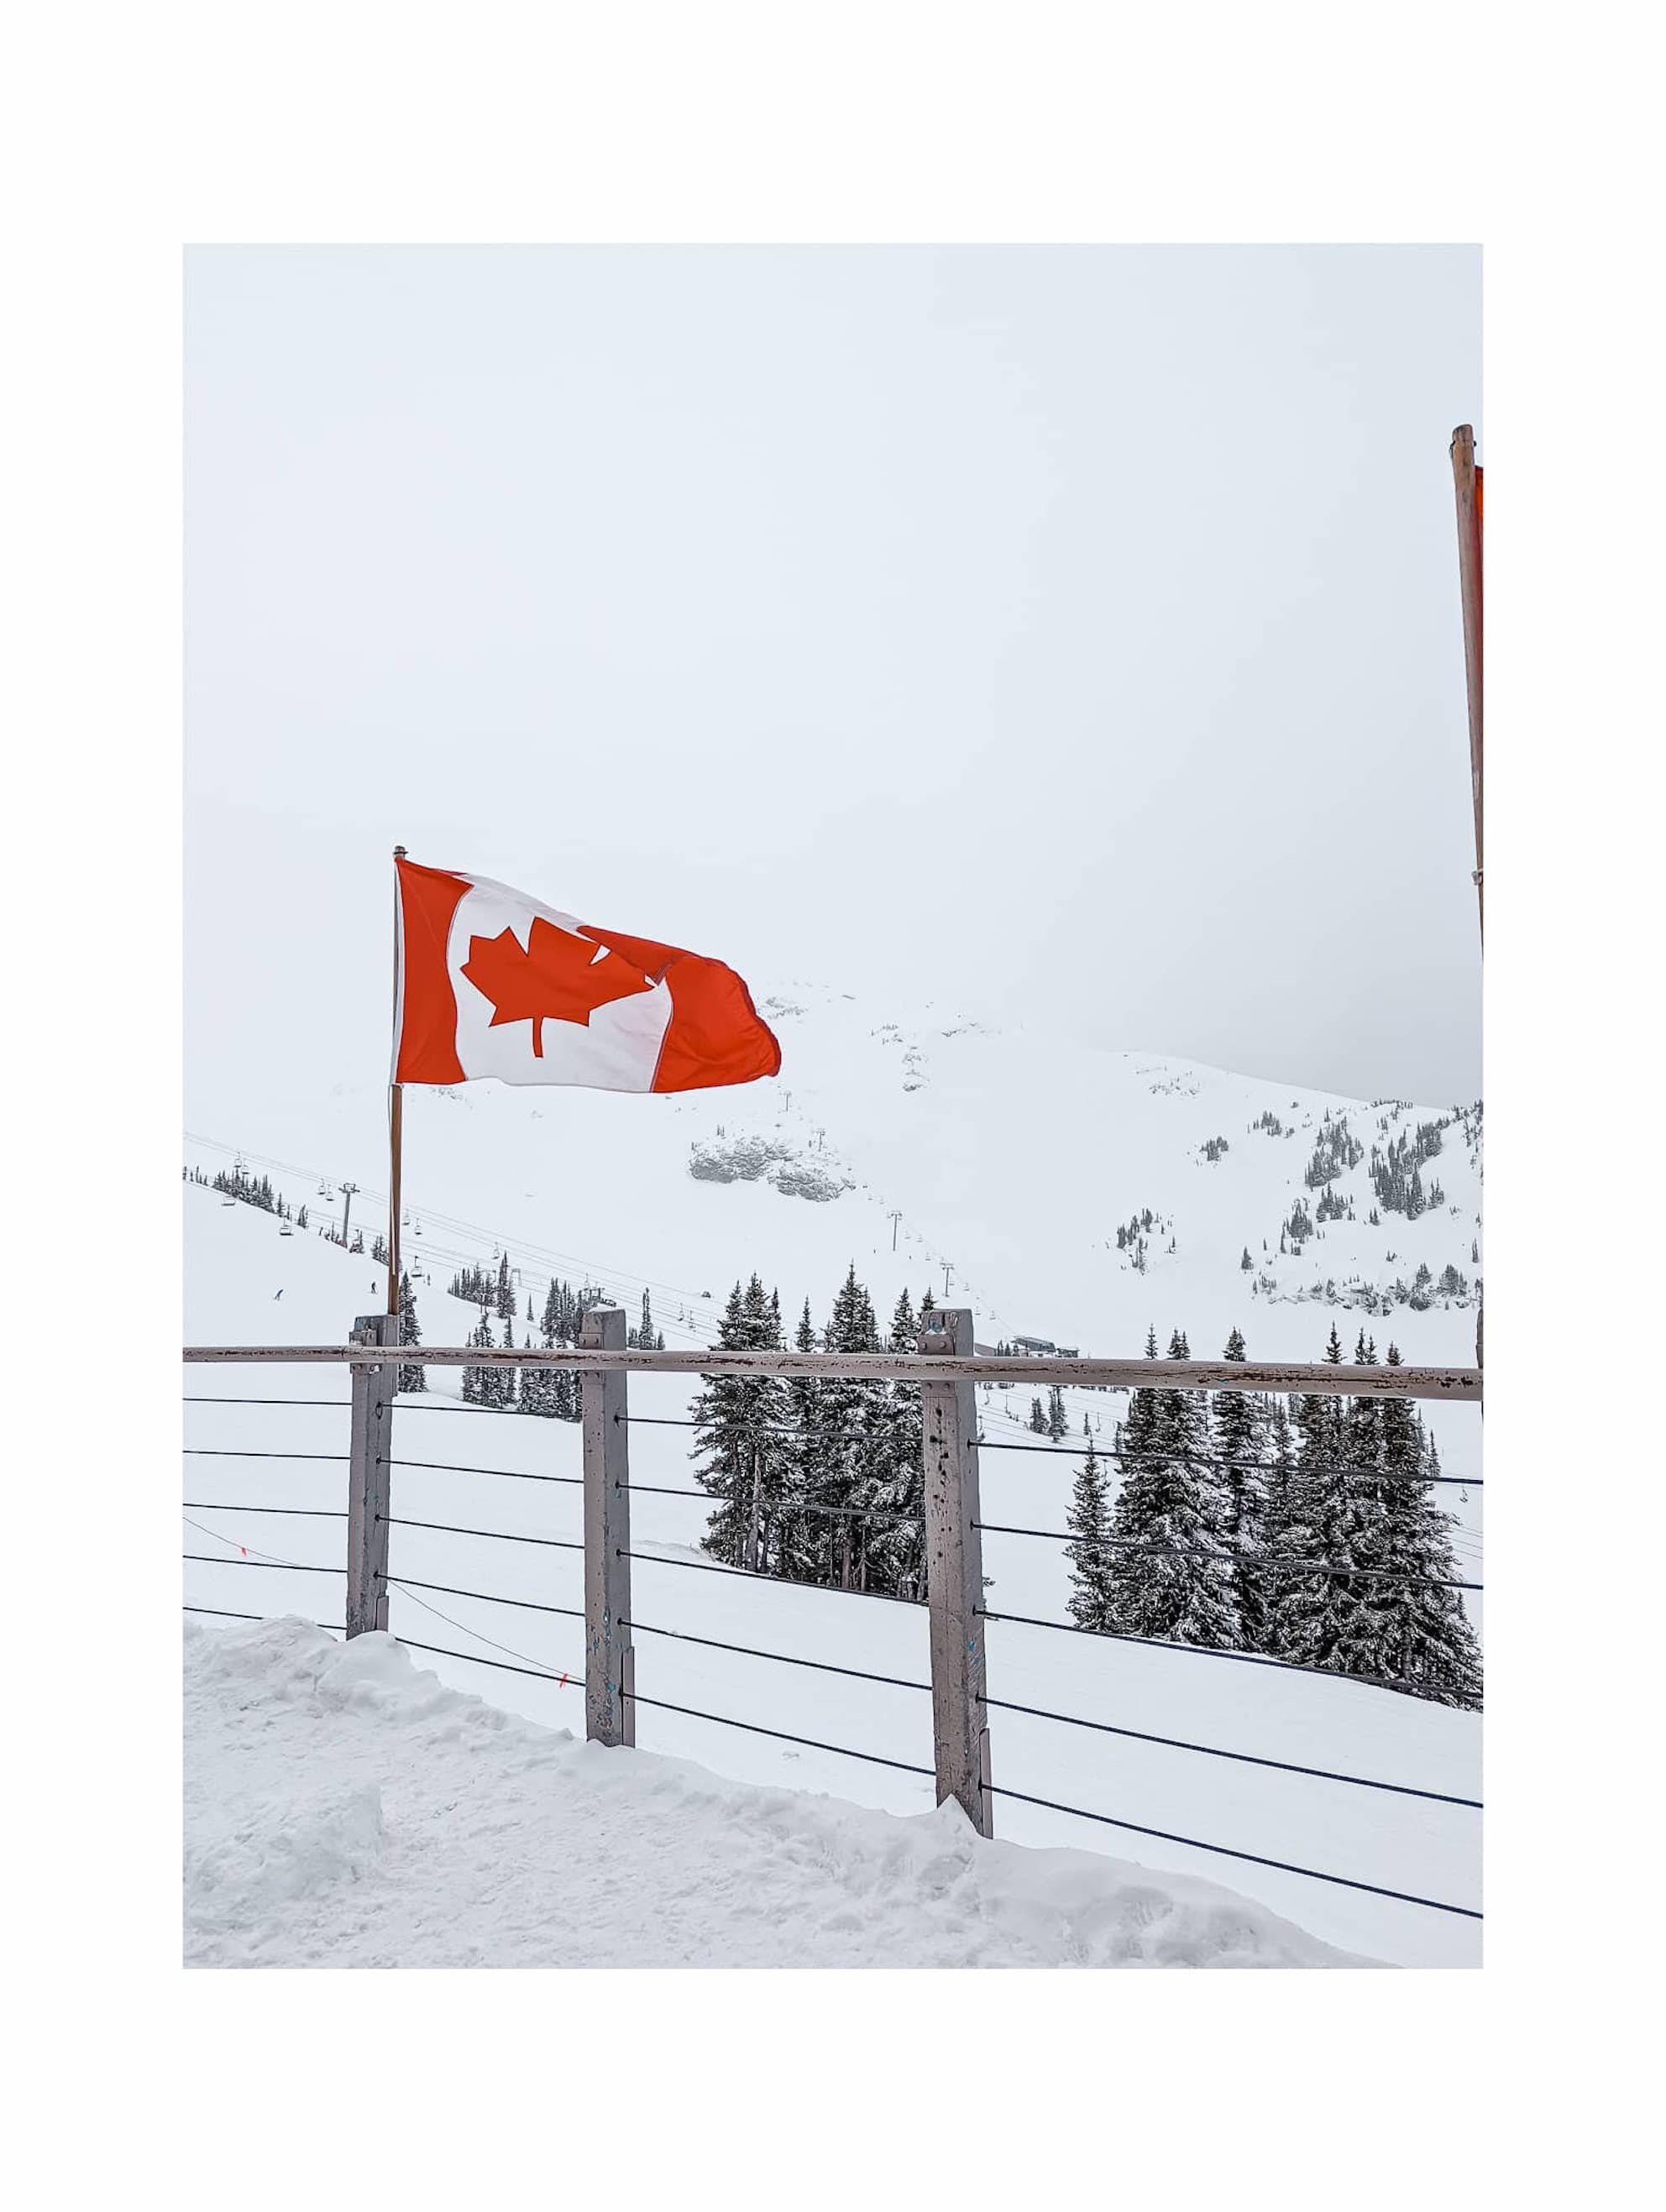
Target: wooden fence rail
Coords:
[(945, 1369), (1449, 1383)]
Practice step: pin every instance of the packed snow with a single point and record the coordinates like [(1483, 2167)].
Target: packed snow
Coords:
[(344, 1808)]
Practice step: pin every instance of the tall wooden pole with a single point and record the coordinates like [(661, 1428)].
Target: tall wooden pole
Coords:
[(395, 1113), (1466, 482)]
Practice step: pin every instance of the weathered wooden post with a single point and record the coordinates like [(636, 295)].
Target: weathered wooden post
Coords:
[(954, 1572), (610, 1714), (370, 1476)]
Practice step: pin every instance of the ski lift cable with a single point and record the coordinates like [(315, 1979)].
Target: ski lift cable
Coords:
[(590, 1269)]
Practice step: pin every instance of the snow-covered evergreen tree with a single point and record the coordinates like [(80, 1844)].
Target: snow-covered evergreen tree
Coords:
[(741, 1459), (480, 1383), (408, 1377), (1431, 1645), (1169, 1574), (851, 1428), (1334, 1521), (1238, 1427), (506, 1377), (1088, 1520), (1058, 1424), (892, 1487), (802, 1535)]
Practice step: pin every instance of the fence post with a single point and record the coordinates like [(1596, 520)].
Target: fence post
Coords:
[(610, 1714), (954, 1573), (370, 1476)]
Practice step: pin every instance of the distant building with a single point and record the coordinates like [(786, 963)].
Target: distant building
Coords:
[(1036, 1346)]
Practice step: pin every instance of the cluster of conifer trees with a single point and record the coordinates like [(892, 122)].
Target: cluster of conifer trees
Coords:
[(816, 1480), (554, 1392), (1307, 1530)]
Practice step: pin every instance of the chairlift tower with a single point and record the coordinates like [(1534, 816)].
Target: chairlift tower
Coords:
[(347, 1191)]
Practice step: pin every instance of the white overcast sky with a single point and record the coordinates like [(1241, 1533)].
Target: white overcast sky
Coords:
[(1071, 632)]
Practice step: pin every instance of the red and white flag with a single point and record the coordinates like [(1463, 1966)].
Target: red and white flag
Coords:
[(491, 982)]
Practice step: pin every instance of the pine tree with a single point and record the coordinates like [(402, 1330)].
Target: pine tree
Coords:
[(1037, 1419), (1239, 1423), (802, 1553), (506, 1296), (408, 1378), (893, 1486), (1169, 1576), (1088, 1520), (851, 1425), (645, 1337), (480, 1383), (1431, 1647), (1333, 1524), (742, 1460), (1058, 1425)]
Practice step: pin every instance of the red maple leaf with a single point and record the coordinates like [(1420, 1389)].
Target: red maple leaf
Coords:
[(557, 977)]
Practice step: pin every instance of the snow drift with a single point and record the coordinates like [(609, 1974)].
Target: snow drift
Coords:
[(344, 1808)]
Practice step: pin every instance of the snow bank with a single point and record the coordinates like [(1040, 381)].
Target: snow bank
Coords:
[(344, 1807)]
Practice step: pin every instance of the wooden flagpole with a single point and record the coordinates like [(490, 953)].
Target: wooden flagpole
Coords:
[(1465, 479), (395, 1113)]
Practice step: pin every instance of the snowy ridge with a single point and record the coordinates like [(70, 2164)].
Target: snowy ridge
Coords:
[(1010, 1160)]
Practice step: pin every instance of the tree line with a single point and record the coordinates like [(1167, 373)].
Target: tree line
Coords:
[(1304, 1529), (816, 1478), (554, 1392)]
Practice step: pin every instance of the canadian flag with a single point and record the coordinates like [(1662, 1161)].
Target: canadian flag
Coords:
[(491, 982)]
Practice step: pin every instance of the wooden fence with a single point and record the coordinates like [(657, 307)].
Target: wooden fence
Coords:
[(945, 1368)]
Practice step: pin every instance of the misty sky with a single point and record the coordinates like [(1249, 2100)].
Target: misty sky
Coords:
[(1069, 632)]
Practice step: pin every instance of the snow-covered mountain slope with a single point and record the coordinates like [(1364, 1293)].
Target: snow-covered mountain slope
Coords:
[(236, 1261), (344, 1808), (1008, 1159)]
